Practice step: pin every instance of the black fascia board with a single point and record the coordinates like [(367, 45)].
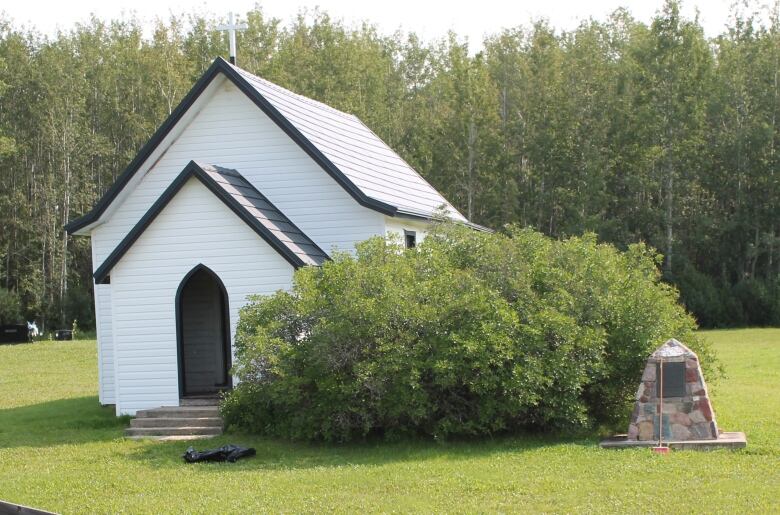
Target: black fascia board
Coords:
[(221, 66), (303, 142), (427, 218), (191, 170), (231, 202), (145, 152)]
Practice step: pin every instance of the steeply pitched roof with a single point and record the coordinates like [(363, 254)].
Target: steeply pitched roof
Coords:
[(370, 171), (245, 201), (366, 160), (267, 216)]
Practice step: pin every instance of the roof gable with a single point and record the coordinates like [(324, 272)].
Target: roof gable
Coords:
[(244, 200), (358, 160), (362, 156)]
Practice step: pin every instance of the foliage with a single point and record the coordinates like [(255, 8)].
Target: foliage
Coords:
[(10, 307), (700, 294), (470, 333), (61, 451), (79, 305), (634, 131), (759, 301), (749, 302)]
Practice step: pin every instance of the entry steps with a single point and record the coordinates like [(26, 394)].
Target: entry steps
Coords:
[(193, 419)]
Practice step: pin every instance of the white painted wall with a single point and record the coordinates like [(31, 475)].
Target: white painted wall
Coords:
[(106, 377), (395, 227), (225, 128), (105, 344), (233, 132), (194, 228)]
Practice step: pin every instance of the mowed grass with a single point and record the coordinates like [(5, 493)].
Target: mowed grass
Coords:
[(60, 451)]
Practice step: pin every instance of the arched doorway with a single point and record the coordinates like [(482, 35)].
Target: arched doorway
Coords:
[(203, 334)]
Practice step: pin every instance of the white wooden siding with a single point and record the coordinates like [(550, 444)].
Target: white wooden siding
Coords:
[(231, 131), (227, 129), (105, 332), (105, 344), (194, 228), (395, 227)]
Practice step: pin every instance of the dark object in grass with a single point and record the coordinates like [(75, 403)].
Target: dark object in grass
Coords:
[(20, 509), (228, 452), (14, 333), (63, 334)]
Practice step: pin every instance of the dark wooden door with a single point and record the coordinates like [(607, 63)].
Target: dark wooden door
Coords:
[(203, 345)]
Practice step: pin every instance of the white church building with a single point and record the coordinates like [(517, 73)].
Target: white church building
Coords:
[(242, 184)]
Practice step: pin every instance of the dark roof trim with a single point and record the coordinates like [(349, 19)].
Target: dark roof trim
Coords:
[(193, 169), (222, 66), (478, 227), (303, 142), (427, 218), (144, 153)]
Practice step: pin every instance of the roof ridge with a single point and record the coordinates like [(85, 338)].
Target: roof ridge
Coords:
[(365, 157), (286, 91)]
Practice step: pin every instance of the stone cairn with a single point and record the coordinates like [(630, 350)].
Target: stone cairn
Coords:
[(685, 417)]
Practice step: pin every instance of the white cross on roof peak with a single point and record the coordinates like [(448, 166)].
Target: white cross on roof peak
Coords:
[(231, 27)]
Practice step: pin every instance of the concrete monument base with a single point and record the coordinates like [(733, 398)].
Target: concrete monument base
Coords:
[(734, 440)]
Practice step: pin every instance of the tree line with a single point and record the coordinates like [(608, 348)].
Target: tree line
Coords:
[(634, 131)]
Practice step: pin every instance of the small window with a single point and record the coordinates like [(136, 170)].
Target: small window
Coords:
[(410, 239)]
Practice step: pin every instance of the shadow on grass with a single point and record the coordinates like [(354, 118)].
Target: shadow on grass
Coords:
[(63, 421), (273, 454)]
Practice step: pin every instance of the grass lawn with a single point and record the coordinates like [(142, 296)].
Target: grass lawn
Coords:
[(59, 450)]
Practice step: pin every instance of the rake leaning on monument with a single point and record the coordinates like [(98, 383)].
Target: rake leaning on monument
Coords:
[(673, 408)]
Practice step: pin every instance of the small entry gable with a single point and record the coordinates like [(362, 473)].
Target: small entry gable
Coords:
[(251, 206)]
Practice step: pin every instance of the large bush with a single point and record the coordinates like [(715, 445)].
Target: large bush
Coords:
[(10, 307), (752, 301), (759, 301), (469, 333), (704, 298)]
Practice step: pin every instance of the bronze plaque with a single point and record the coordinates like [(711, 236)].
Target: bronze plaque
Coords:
[(674, 379)]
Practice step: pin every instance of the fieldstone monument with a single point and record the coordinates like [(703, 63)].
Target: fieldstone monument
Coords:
[(679, 405), (672, 401)]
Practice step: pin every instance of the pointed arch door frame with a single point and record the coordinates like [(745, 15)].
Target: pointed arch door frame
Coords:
[(225, 336)]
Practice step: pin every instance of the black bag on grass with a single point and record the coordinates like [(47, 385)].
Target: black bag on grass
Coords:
[(228, 452)]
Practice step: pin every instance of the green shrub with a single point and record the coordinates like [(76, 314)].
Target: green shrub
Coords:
[(10, 307), (752, 301), (775, 295), (703, 298), (733, 311), (468, 334), (758, 301), (79, 306)]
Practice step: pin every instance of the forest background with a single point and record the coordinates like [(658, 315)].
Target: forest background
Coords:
[(634, 131)]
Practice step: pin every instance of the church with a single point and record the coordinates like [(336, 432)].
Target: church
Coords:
[(243, 183)]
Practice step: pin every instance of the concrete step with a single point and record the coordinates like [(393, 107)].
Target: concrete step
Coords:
[(179, 412), (172, 438), (199, 401), (198, 420), (172, 431), (176, 422)]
